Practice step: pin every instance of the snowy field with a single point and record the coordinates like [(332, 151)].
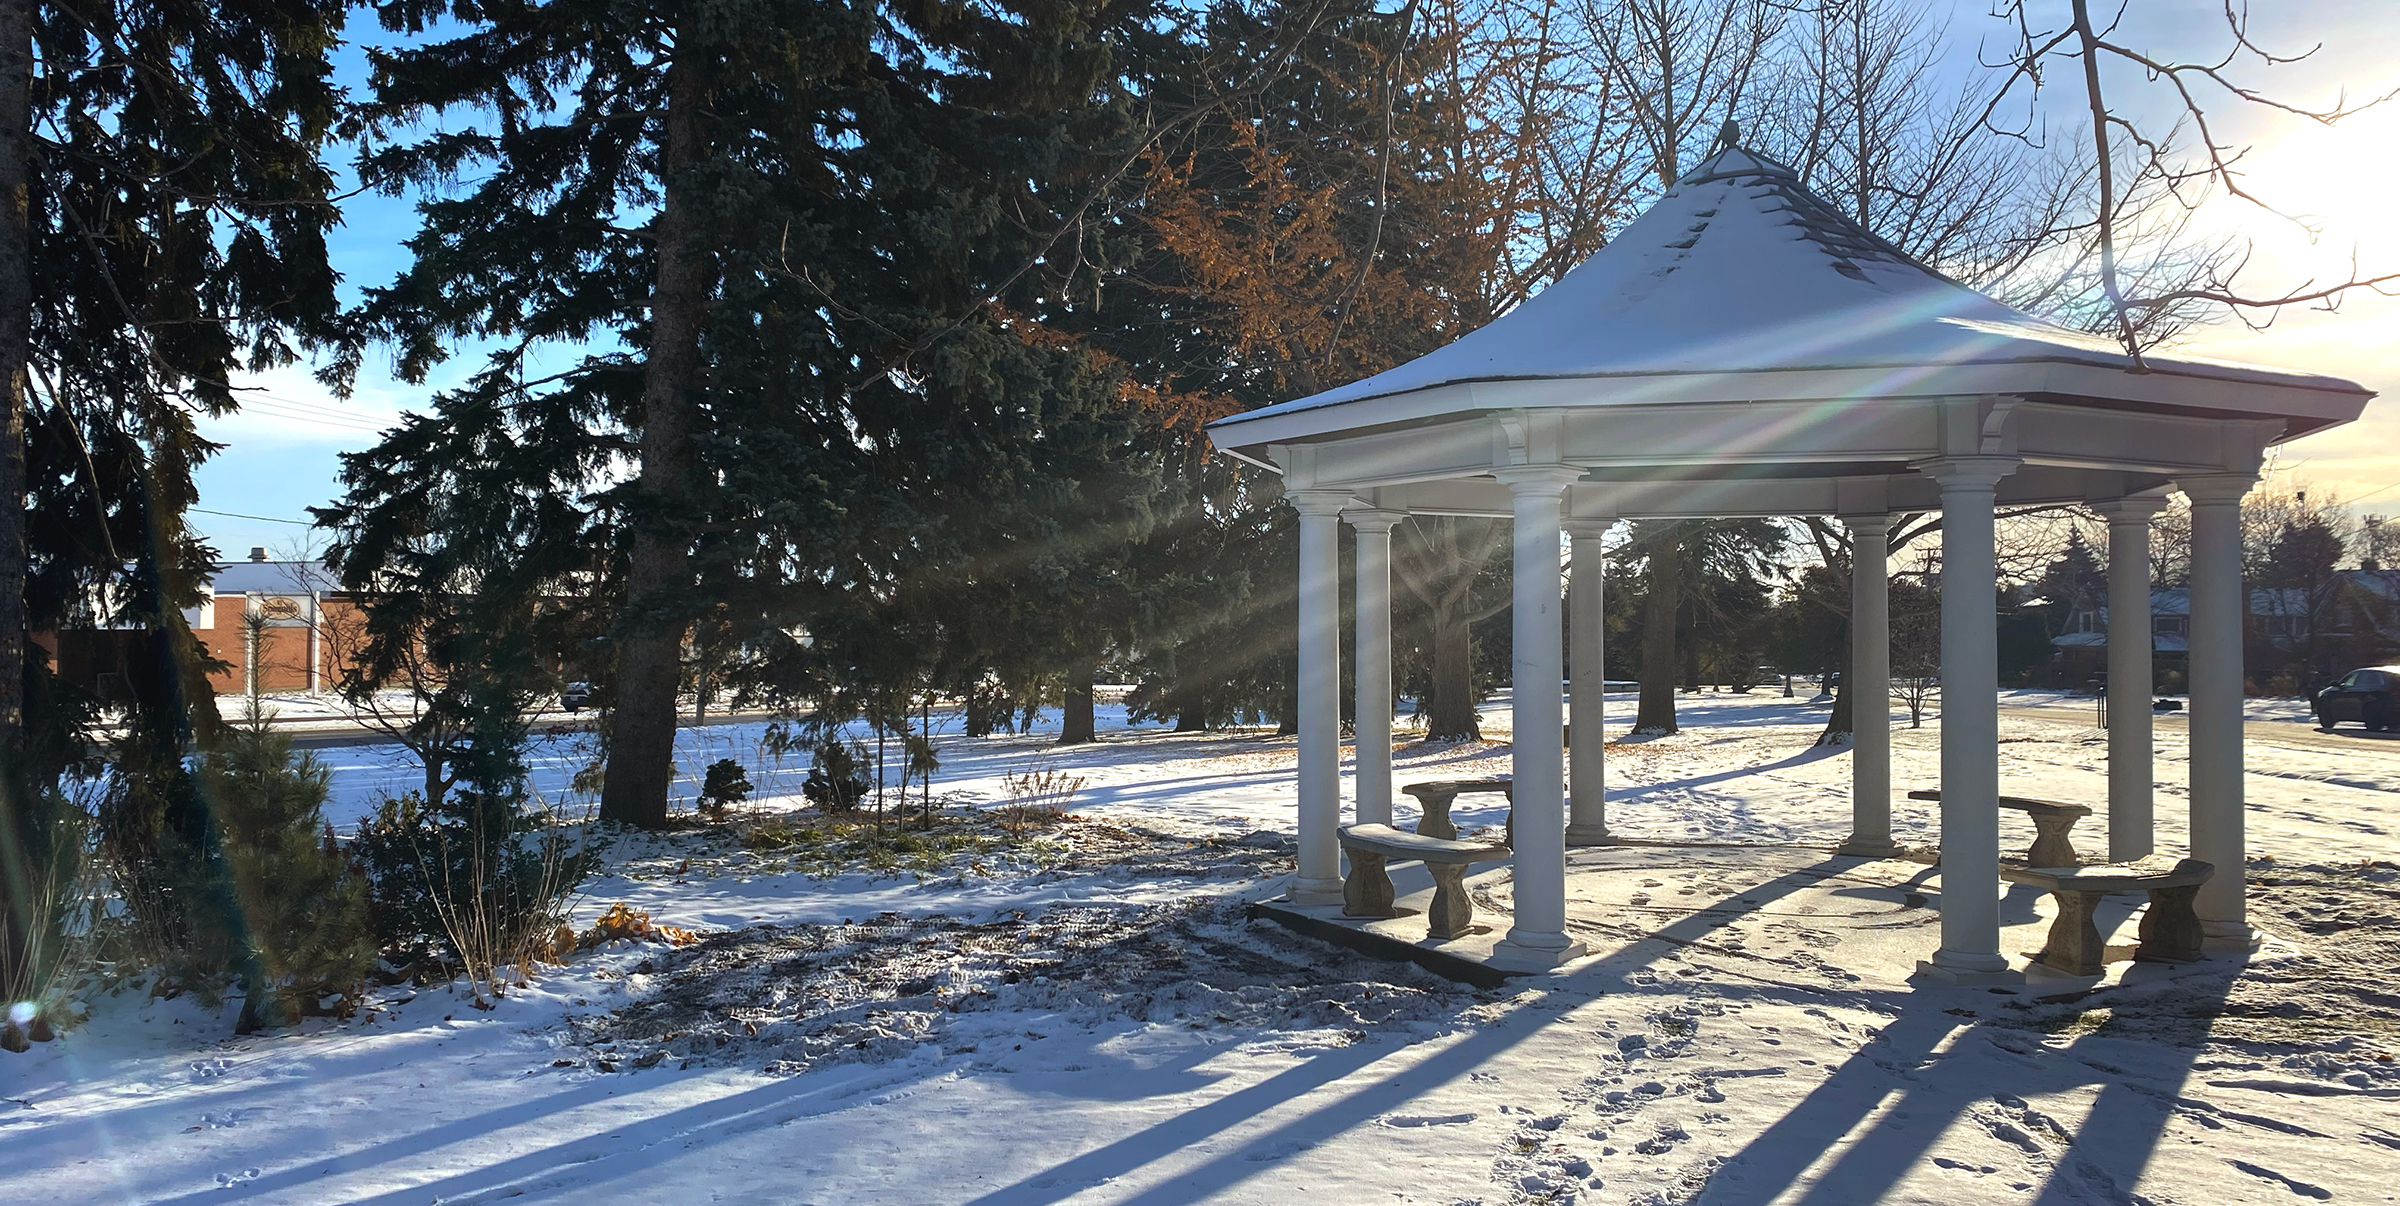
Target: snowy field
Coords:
[(1087, 1017)]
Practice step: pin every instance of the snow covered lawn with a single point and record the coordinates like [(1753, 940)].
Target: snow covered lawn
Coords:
[(1087, 1017)]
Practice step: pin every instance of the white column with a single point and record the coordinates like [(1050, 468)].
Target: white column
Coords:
[(1870, 687), (2131, 823), (1318, 879), (1371, 725), (2216, 713), (1538, 937), (1970, 951), (316, 627), (254, 631), (1587, 644)]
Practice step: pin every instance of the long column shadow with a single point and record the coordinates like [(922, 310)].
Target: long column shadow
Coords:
[(1367, 1101), (2105, 1156)]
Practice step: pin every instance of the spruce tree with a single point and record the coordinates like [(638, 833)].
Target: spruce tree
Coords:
[(283, 909), (163, 213), (653, 217)]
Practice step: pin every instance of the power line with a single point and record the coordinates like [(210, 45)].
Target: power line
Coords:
[(301, 523), (279, 409)]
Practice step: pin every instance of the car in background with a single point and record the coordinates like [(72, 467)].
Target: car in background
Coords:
[(2370, 696), (576, 697)]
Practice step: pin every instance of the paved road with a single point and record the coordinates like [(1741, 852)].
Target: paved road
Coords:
[(329, 734), (2349, 738)]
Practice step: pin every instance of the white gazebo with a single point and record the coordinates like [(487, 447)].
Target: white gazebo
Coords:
[(1743, 349)]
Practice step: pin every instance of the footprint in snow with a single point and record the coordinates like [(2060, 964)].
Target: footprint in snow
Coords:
[(1411, 1120), (237, 1178), (1280, 1151), (2303, 1188)]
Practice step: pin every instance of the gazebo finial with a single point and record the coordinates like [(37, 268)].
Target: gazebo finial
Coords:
[(1728, 135)]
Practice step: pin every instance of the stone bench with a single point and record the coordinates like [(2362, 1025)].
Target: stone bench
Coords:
[(1367, 890), (2170, 931), (2052, 819), (1435, 798)]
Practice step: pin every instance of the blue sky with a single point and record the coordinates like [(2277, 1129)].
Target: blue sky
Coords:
[(282, 455)]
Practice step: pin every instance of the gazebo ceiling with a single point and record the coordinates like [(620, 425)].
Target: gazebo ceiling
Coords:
[(1744, 322)]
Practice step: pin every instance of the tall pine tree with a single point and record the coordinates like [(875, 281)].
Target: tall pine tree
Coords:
[(163, 213)]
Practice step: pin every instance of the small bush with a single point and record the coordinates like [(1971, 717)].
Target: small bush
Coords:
[(835, 781), (724, 786), (281, 906), (1037, 795), (49, 913), (477, 885)]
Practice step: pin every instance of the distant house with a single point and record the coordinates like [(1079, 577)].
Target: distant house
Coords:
[(2359, 616), (2353, 618)]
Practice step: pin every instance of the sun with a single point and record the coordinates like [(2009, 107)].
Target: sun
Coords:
[(2342, 180)]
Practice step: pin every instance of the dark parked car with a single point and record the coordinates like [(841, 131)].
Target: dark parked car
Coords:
[(576, 697), (2370, 696)]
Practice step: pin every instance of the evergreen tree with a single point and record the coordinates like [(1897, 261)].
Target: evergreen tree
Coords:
[(669, 216), (278, 903), (2073, 583), (163, 210)]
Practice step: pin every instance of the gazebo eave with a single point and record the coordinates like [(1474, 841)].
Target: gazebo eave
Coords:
[(1757, 497), (1751, 450), (2302, 402)]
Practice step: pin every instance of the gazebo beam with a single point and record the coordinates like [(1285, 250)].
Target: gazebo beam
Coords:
[(1538, 804), (1724, 495)]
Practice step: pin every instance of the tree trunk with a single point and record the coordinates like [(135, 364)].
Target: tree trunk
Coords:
[(1840, 726), (979, 712), (641, 747), (16, 333), (1075, 725), (1191, 709), (1656, 712), (1689, 647), (1450, 705)]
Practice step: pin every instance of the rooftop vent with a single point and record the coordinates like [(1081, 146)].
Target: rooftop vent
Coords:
[(258, 553)]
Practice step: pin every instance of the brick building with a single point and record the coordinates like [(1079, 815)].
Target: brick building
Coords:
[(277, 627)]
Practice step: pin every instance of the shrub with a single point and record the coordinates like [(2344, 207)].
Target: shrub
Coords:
[(48, 910), (724, 785), (276, 902), (835, 782), (1038, 794), (477, 885)]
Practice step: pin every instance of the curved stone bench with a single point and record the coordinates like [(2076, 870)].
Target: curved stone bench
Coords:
[(2052, 819), (2170, 931), (1367, 890), (1435, 797)]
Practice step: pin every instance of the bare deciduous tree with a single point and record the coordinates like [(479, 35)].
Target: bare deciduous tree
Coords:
[(2132, 160)]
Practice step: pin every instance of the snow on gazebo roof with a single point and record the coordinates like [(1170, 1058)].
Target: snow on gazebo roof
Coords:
[(1742, 285)]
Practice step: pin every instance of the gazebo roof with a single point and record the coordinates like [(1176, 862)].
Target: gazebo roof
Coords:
[(1740, 285)]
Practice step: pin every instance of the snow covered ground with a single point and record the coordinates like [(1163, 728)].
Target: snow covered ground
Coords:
[(1088, 1018)]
